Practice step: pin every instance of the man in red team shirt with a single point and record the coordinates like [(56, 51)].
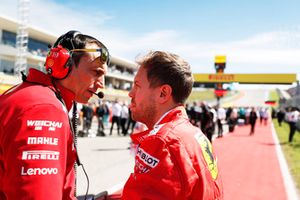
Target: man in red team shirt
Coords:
[(37, 152), (174, 160)]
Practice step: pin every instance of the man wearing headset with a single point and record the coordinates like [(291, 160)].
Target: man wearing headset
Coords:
[(37, 151), (174, 160)]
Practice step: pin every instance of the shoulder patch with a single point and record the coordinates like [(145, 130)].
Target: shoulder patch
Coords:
[(144, 161), (207, 154)]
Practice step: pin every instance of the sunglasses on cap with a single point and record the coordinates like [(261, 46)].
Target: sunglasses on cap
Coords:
[(104, 54)]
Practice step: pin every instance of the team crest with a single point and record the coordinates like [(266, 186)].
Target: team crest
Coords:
[(207, 154), (50, 62)]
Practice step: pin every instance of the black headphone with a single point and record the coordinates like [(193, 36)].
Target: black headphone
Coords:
[(59, 59)]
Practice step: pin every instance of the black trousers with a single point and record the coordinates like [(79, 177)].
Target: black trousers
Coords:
[(252, 127), (123, 126), (115, 119), (220, 128), (292, 130)]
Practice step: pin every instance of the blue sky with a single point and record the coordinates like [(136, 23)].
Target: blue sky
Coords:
[(256, 36), (211, 21)]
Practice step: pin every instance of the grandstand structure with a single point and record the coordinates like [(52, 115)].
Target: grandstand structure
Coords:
[(118, 80)]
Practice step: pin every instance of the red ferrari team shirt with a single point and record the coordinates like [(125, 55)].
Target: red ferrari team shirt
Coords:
[(174, 161), (36, 144)]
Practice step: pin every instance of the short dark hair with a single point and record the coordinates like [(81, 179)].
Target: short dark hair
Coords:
[(167, 68), (76, 40)]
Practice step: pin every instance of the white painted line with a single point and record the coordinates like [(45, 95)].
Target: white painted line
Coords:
[(290, 187)]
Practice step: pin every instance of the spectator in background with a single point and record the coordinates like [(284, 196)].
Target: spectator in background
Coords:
[(194, 114), (221, 116), (293, 117), (252, 120), (280, 116), (265, 115), (247, 115), (261, 115), (232, 120), (106, 113), (124, 118), (116, 116), (242, 113), (228, 113), (207, 120), (100, 111), (87, 114)]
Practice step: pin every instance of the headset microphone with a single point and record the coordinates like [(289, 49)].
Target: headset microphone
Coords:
[(99, 94)]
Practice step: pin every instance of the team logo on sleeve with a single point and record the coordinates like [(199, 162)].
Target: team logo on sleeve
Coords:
[(207, 154), (40, 124), (144, 161)]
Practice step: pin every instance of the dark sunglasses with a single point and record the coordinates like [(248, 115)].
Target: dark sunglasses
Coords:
[(104, 54)]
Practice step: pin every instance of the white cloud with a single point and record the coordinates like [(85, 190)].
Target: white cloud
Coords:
[(274, 40), (271, 52), (57, 19)]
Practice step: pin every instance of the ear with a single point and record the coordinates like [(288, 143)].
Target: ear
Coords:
[(165, 93)]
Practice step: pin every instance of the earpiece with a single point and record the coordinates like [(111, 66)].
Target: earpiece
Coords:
[(59, 61), (56, 62)]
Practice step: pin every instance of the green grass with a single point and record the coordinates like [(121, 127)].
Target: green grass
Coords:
[(201, 96), (205, 95), (273, 96), (291, 151)]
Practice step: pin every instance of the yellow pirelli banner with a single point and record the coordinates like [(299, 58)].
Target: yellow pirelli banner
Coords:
[(246, 78)]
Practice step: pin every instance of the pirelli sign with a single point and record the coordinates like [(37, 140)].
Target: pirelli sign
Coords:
[(246, 78)]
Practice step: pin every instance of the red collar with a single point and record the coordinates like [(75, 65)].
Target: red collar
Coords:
[(38, 77), (173, 114)]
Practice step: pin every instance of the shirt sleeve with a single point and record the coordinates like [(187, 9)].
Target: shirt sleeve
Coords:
[(40, 156), (161, 172)]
